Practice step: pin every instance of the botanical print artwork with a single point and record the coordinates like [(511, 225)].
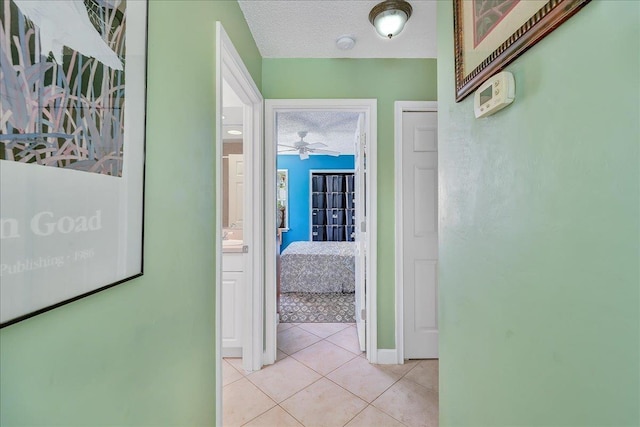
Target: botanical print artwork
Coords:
[(487, 14), (62, 83)]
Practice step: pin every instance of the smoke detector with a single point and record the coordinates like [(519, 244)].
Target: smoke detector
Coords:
[(345, 42)]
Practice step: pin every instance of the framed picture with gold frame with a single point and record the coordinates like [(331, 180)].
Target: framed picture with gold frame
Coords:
[(490, 34)]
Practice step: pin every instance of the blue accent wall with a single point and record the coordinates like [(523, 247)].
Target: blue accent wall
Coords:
[(299, 190)]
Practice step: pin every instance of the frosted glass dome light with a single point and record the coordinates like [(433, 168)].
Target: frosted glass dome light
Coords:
[(390, 16)]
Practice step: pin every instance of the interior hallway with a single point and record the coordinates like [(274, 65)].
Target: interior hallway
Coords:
[(322, 379)]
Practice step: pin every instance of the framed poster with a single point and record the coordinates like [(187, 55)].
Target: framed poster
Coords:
[(72, 130), (489, 34)]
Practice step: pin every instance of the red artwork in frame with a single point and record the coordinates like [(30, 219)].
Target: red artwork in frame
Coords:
[(487, 15)]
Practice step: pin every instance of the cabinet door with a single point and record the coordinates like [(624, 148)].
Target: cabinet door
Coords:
[(232, 292)]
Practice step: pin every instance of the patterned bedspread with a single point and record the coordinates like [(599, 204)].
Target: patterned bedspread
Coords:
[(318, 267)]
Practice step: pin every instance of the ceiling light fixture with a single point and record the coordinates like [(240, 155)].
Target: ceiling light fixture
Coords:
[(234, 132), (390, 16)]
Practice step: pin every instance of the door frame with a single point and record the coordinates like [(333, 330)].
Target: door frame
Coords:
[(369, 108), (229, 66), (399, 108)]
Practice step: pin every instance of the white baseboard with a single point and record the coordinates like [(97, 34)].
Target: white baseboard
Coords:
[(387, 356), (232, 352)]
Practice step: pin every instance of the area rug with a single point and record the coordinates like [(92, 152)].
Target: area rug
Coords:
[(306, 307)]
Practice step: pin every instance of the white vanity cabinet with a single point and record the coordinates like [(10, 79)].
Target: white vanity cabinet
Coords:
[(232, 297)]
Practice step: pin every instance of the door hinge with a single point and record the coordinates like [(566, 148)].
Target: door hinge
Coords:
[(363, 226), (363, 314), (245, 249)]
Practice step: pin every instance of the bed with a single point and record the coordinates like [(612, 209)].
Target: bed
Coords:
[(318, 267)]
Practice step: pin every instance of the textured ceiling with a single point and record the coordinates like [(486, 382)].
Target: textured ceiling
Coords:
[(335, 129), (310, 28)]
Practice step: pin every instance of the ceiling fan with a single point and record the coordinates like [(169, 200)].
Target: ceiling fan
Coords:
[(304, 148)]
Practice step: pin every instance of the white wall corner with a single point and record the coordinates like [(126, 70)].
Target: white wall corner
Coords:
[(387, 356)]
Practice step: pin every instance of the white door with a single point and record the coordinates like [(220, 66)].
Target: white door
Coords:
[(236, 189), (420, 233), (361, 249)]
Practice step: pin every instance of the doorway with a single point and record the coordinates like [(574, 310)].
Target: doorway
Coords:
[(243, 224), (365, 168)]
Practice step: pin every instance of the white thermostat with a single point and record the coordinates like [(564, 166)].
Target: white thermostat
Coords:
[(494, 94)]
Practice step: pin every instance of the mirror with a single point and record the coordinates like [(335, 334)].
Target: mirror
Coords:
[(282, 196), (232, 164)]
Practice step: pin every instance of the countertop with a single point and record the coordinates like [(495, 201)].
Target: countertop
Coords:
[(232, 246)]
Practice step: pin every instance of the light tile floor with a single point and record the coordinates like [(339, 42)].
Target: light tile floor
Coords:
[(321, 379)]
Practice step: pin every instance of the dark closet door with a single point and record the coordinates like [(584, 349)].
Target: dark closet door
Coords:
[(332, 207)]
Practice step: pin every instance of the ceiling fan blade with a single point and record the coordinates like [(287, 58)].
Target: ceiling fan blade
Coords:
[(289, 149), (317, 145), (288, 146), (328, 152), (304, 155)]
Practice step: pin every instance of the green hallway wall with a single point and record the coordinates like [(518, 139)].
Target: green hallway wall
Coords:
[(142, 353), (539, 232), (388, 80)]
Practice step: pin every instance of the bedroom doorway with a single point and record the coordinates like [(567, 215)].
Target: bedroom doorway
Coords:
[(320, 155)]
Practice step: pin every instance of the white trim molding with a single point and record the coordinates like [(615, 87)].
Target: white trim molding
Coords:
[(387, 356), (369, 108), (399, 108)]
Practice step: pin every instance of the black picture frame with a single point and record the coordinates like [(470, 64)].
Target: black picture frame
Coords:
[(72, 152)]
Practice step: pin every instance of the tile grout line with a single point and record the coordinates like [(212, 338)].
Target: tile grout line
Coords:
[(317, 336), (291, 415), (417, 383), (348, 391), (352, 418), (325, 376), (338, 367), (367, 403), (377, 396), (261, 414), (234, 368), (299, 391), (323, 338)]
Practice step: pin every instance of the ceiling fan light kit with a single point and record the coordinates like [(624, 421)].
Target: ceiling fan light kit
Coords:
[(390, 16), (304, 148)]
